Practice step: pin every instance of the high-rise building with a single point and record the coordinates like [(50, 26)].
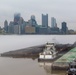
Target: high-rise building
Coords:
[(6, 26), (17, 29), (44, 20), (17, 17), (33, 17), (30, 30), (53, 22), (64, 27), (11, 28), (21, 21), (32, 21)]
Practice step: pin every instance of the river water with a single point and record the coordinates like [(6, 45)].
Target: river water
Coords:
[(24, 66), (14, 42)]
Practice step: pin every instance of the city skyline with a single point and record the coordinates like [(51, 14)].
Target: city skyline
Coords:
[(62, 10), (20, 26)]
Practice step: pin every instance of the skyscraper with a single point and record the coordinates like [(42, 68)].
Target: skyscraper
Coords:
[(16, 18), (17, 29), (21, 21), (44, 20), (6, 26), (11, 27), (64, 27), (53, 22), (32, 21), (33, 17)]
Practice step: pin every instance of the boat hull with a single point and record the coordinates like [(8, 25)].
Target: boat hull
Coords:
[(46, 58)]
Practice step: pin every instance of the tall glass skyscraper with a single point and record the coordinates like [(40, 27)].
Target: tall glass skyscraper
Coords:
[(53, 22), (44, 20), (6, 26), (16, 18), (33, 21), (64, 27)]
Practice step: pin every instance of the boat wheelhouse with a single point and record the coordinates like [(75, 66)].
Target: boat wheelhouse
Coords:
[(49, 52)]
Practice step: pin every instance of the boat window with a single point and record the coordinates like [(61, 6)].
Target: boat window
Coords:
[(75, 66), (71, 66), (70, 74), (51, 48)]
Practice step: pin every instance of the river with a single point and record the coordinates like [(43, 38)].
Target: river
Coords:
[(24, 66), (14, 42)]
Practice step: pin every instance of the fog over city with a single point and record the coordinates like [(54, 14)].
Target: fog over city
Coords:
[(62, 10)]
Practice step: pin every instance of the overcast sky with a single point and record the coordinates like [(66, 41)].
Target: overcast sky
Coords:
[(62, 10)]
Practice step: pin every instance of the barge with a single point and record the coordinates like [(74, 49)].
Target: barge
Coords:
[(63, 62)]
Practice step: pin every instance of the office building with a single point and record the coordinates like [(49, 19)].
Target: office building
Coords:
[(6, 26), (44, 20), (16, 18), (17, 29), (55, 30), (53, 22), (64, 27), (30, 30), (21, 21), (11, 28), (43, 30), (32, 21), (33, 17)]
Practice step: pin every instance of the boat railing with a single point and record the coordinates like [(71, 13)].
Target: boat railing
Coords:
[(45, 54)]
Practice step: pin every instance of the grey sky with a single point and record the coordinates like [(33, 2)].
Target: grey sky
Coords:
[(62, 10)]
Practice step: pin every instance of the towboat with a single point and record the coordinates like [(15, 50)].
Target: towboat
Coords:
[(49, 52)]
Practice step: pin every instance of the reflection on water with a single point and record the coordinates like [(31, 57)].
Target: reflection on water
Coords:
[(24, 66), (48, 69)]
